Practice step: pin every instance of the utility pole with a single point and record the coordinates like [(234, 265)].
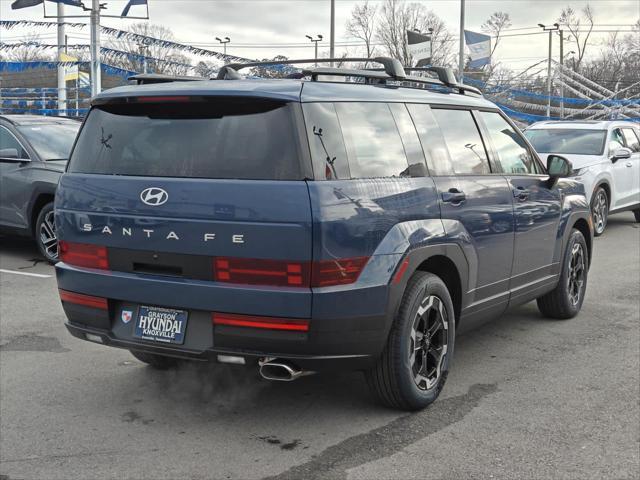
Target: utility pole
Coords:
[(550, 30), (143, 49), (224, 43), (62, 84), (315, 41), (332, 35), (461, 52), (96, 74), (561, 67)]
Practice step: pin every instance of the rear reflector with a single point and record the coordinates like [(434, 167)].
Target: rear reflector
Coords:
[(339, 271), (283, 273), (84, 300), (251, 321), (250, 271), (400, 273), (84, 255)]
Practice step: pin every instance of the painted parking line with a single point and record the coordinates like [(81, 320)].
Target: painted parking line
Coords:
[(38, 275)]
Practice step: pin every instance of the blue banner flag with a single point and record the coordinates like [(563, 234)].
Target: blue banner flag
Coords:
[(479, 46), (130, 4), (18, 4)]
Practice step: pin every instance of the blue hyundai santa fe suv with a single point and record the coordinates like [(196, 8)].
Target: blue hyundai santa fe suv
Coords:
[(344, 219)]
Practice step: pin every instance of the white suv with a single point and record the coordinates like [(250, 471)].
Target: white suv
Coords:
[(605, 157)]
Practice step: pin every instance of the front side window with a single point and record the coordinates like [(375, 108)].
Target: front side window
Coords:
[(617, 140), (225, 138), (513, 153), (468, 155), (10, 146), (632, 139), (372, 140)]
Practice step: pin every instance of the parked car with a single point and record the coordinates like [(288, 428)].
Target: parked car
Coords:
[(605, 158), (304, 225), (34, 150)]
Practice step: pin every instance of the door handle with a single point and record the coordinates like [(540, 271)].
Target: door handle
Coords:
[(520, 193), (629, 164), (454, 196)]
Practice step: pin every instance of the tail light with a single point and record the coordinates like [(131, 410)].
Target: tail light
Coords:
[(84, 300), (279, 273), (340, 271), (251, 321), (282, 273), (84, 255)]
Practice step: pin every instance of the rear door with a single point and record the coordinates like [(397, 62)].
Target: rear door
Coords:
[(537, 207), (204, 190), (476, 205)]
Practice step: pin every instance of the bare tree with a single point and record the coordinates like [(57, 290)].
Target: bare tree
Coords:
[(397, 16), (362, 25), (153, 51), (576, 24), (29, 53), (495, 25)]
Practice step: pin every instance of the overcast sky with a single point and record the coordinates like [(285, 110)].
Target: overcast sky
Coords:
[(250, 23)]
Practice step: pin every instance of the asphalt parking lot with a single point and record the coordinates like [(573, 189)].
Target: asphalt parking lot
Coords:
[(527, 398)]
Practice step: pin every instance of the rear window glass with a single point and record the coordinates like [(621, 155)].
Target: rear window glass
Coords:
[(567, 141), (222, 138), (372, 139)]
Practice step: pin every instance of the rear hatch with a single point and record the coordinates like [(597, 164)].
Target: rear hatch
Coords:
[(189, 193)]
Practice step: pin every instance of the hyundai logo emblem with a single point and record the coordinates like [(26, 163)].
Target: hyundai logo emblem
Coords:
[(154, 196)]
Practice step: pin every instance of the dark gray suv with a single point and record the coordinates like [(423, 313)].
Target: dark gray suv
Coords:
[(34, 151)]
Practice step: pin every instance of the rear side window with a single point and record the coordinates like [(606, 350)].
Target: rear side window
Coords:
[(372, 139), (463, 140), (358, 140), (432, 140), (221, 138), (514, 156)]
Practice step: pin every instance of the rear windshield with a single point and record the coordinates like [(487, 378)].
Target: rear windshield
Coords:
[(225, 138), (567, 141)]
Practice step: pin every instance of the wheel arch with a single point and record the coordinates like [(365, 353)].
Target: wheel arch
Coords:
[(583, 226), (606, 185), (39, 200), (447, 271)]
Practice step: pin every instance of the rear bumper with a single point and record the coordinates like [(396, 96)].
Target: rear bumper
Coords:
[(347, 329), (304, 361)]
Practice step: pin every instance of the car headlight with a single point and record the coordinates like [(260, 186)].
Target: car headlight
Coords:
[(579, 171)]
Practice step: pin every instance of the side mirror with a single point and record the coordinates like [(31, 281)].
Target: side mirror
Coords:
[(620, 154), (9, 153), (558, 167)]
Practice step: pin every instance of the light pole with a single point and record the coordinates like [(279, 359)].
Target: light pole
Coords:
[(550, 29), (62, 84), (315, 41), (461, 52), (224, 43), (332, 34), (96, 74)]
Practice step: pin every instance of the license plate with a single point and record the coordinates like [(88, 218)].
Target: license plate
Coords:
[(165, 325)]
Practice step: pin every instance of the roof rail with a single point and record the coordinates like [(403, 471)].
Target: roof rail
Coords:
[(150, 78), (391, 66)]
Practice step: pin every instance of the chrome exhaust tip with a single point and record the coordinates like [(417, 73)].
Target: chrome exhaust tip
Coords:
[(280, 370)]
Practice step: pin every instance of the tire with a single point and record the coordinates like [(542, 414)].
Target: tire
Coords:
[(637, 215), (566, 299), (599, 211), (397, 380), (158, 362), (45, 234)]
